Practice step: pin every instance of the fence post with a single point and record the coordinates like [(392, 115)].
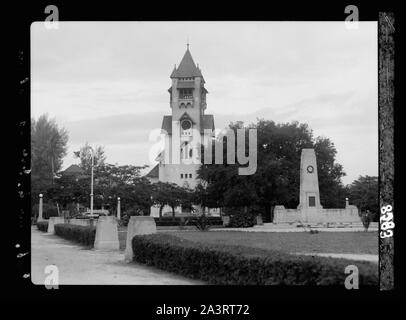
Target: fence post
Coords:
[(118, 209), (40, 218)]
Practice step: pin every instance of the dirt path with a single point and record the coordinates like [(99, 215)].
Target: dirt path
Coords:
[(77, 265)]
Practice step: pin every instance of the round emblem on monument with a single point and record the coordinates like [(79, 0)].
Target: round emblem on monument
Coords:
[(310, 169)]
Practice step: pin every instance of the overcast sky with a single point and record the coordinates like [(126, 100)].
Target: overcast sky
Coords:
[(106, 82)]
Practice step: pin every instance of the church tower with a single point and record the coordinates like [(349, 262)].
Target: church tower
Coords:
[(188, 121)]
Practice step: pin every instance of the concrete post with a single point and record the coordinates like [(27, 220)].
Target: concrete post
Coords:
[(52, 222), (40, 218), (118, 209), (346, 202), (106, 234), (137, 225)]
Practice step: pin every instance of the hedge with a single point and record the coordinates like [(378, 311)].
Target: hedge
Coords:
[(232, 265), (42, 226), (242, 220), (48, 210), (82, 234), (170, 221)]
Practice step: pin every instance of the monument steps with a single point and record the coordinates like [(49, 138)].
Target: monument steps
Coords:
[(270, 225)]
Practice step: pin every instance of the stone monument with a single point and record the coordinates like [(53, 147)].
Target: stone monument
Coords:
[(310, 209)]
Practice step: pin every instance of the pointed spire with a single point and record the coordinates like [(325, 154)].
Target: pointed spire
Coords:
[(187, 67), (173, 74)]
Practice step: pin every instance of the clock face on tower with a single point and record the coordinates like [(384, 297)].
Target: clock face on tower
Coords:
[(186, 125), (310, 169)]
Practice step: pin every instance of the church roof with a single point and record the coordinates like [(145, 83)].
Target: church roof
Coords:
[(207, 122), (185, 116), (187, 68), (167, 124), (154, 173)]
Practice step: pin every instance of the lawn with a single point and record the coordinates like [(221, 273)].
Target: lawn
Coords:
[(323, 242)]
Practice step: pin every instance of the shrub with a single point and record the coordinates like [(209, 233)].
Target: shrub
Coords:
[(42, 226), (242, 220), (133, 211), (48, 210), (202, 223), (232, 265), (366, 218), (82, 234), (191, 220)]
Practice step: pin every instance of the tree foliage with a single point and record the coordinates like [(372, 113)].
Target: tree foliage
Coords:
[(363, 193), (48, 147), (85, 156), (277, 178)]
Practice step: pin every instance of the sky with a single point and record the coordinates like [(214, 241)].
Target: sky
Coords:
[(106, 82)]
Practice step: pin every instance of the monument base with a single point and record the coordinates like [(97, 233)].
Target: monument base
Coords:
[(316, 215)]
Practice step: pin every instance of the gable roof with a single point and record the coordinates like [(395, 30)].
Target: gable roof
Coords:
[(185, 116), (187, 68), (154, 173), (167, 124), (73, 169), (207, 122)]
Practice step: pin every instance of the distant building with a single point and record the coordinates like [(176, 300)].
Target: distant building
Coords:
[(74, 172), (153, 175)]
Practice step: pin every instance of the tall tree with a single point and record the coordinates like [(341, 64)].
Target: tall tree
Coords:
[(48, 148), (332, 191), (85, 155), (277, 178), (363, 193)]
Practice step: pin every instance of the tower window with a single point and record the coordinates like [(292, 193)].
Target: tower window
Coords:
[(181, 175), (190, 175), (185, 94)]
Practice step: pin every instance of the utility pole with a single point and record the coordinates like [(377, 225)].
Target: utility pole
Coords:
[(91, 183)]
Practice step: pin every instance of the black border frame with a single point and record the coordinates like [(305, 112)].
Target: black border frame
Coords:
[(21, 286)]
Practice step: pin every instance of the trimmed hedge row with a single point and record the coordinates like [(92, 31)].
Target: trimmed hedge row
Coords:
[(170, 221), (42, 226), (82, 234), (232, 265)]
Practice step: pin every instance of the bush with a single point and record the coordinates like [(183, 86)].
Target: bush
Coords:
[(191, 220), (42, 226), (82, 234), (202, 223), (366, 218), (232, 265), (242, 220), (133, 211), (48, 210)]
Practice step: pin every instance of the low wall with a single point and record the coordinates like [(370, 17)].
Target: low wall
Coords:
[(282, 215), (83, 222), (346, 215)]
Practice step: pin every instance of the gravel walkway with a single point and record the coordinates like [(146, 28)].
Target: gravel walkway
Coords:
[(78, 265)]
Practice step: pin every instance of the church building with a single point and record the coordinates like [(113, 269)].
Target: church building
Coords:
[(185, 128)]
